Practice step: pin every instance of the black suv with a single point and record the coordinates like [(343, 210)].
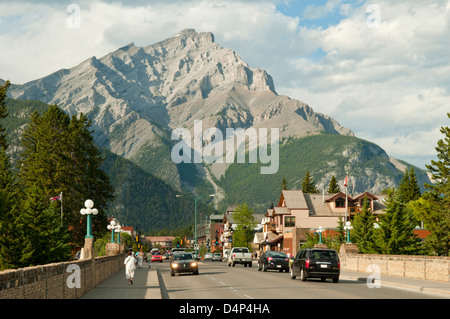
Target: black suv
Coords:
[(273, 260), (316, 263)]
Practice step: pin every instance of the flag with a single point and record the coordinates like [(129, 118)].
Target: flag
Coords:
[(56, 198), (345, 182)]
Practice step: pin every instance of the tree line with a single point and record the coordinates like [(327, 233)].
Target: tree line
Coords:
[(57, 156)]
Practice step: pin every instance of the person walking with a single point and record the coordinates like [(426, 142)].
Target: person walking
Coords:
[(149, 259), (140, 258), (130, 267)]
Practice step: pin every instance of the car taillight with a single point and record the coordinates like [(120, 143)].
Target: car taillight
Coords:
[(286, 259), (339, 265), (269, 258), (234, 255), (307, 263)]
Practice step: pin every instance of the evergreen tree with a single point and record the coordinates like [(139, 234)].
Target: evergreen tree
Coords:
[(333, 187), (434, 206), (284, 184), (44, 239), (408, 189), (363, 229), (59, 155), (396, 233), (7, 186), (429, 209), (341, 235), (10, 240), (30, 221), (308, 185), (3, 114)]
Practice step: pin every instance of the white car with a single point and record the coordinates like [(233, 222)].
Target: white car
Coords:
[(208, 256)]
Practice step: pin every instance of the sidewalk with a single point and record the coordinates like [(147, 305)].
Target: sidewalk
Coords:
[(145, 286), (437, 288)]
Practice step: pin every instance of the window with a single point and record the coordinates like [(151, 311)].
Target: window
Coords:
[(302, 254), (340, 202), (289, 221), (277, 254)]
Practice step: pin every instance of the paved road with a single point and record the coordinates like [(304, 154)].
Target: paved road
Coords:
[(221, 291), (217, 281)]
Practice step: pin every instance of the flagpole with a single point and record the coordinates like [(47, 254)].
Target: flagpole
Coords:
[(61, 208), (346, 198)]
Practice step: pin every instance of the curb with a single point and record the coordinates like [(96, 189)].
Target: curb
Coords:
[(415, 288)]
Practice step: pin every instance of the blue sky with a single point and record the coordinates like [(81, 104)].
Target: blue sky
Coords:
[(326, 13), (388, 83)]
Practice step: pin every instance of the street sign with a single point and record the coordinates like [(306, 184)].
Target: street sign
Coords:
[(196, 246)]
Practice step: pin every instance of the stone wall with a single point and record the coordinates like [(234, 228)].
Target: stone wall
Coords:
[(419, 267), (67, 280)]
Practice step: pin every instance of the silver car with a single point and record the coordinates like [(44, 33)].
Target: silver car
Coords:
[(208, 256)]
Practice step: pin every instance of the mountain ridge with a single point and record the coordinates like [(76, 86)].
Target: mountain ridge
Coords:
[(136, 96)]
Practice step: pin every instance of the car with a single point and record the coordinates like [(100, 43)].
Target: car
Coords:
[(240, 255), (208, 256), (217, 257), (316, 263), (157, 256), (277, 260), (182, 263)]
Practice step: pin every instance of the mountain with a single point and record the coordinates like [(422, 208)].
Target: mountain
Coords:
[(137, 96), (368, 166)]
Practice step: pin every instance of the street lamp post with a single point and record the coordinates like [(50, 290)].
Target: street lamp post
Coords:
[(112, 227), (195, 214), (320, 231), (89, 211), (118, 230), (347, 227)]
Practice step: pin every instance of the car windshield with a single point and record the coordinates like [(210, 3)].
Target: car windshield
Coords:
[(322, 255), (217, 255), (182, 256), (240, 250)]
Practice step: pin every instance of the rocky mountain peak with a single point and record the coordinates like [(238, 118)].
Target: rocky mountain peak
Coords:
[(167, 85), (205, 37)]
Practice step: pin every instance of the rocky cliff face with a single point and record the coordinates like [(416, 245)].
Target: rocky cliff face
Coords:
[(137, 95)]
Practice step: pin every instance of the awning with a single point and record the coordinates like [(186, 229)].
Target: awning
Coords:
[(273, 238), (266, 238)]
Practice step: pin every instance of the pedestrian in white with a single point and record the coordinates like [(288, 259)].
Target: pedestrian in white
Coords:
[(130, 266), (140, 258)]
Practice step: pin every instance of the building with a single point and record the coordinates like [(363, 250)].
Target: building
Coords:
[(229, 224), (165, 242), (128, 229), (298, 213)]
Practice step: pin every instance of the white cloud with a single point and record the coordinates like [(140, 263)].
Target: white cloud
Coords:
[(317, 12), (389, 85)]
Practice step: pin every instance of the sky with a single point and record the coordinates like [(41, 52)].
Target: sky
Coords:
[(380, 68)]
